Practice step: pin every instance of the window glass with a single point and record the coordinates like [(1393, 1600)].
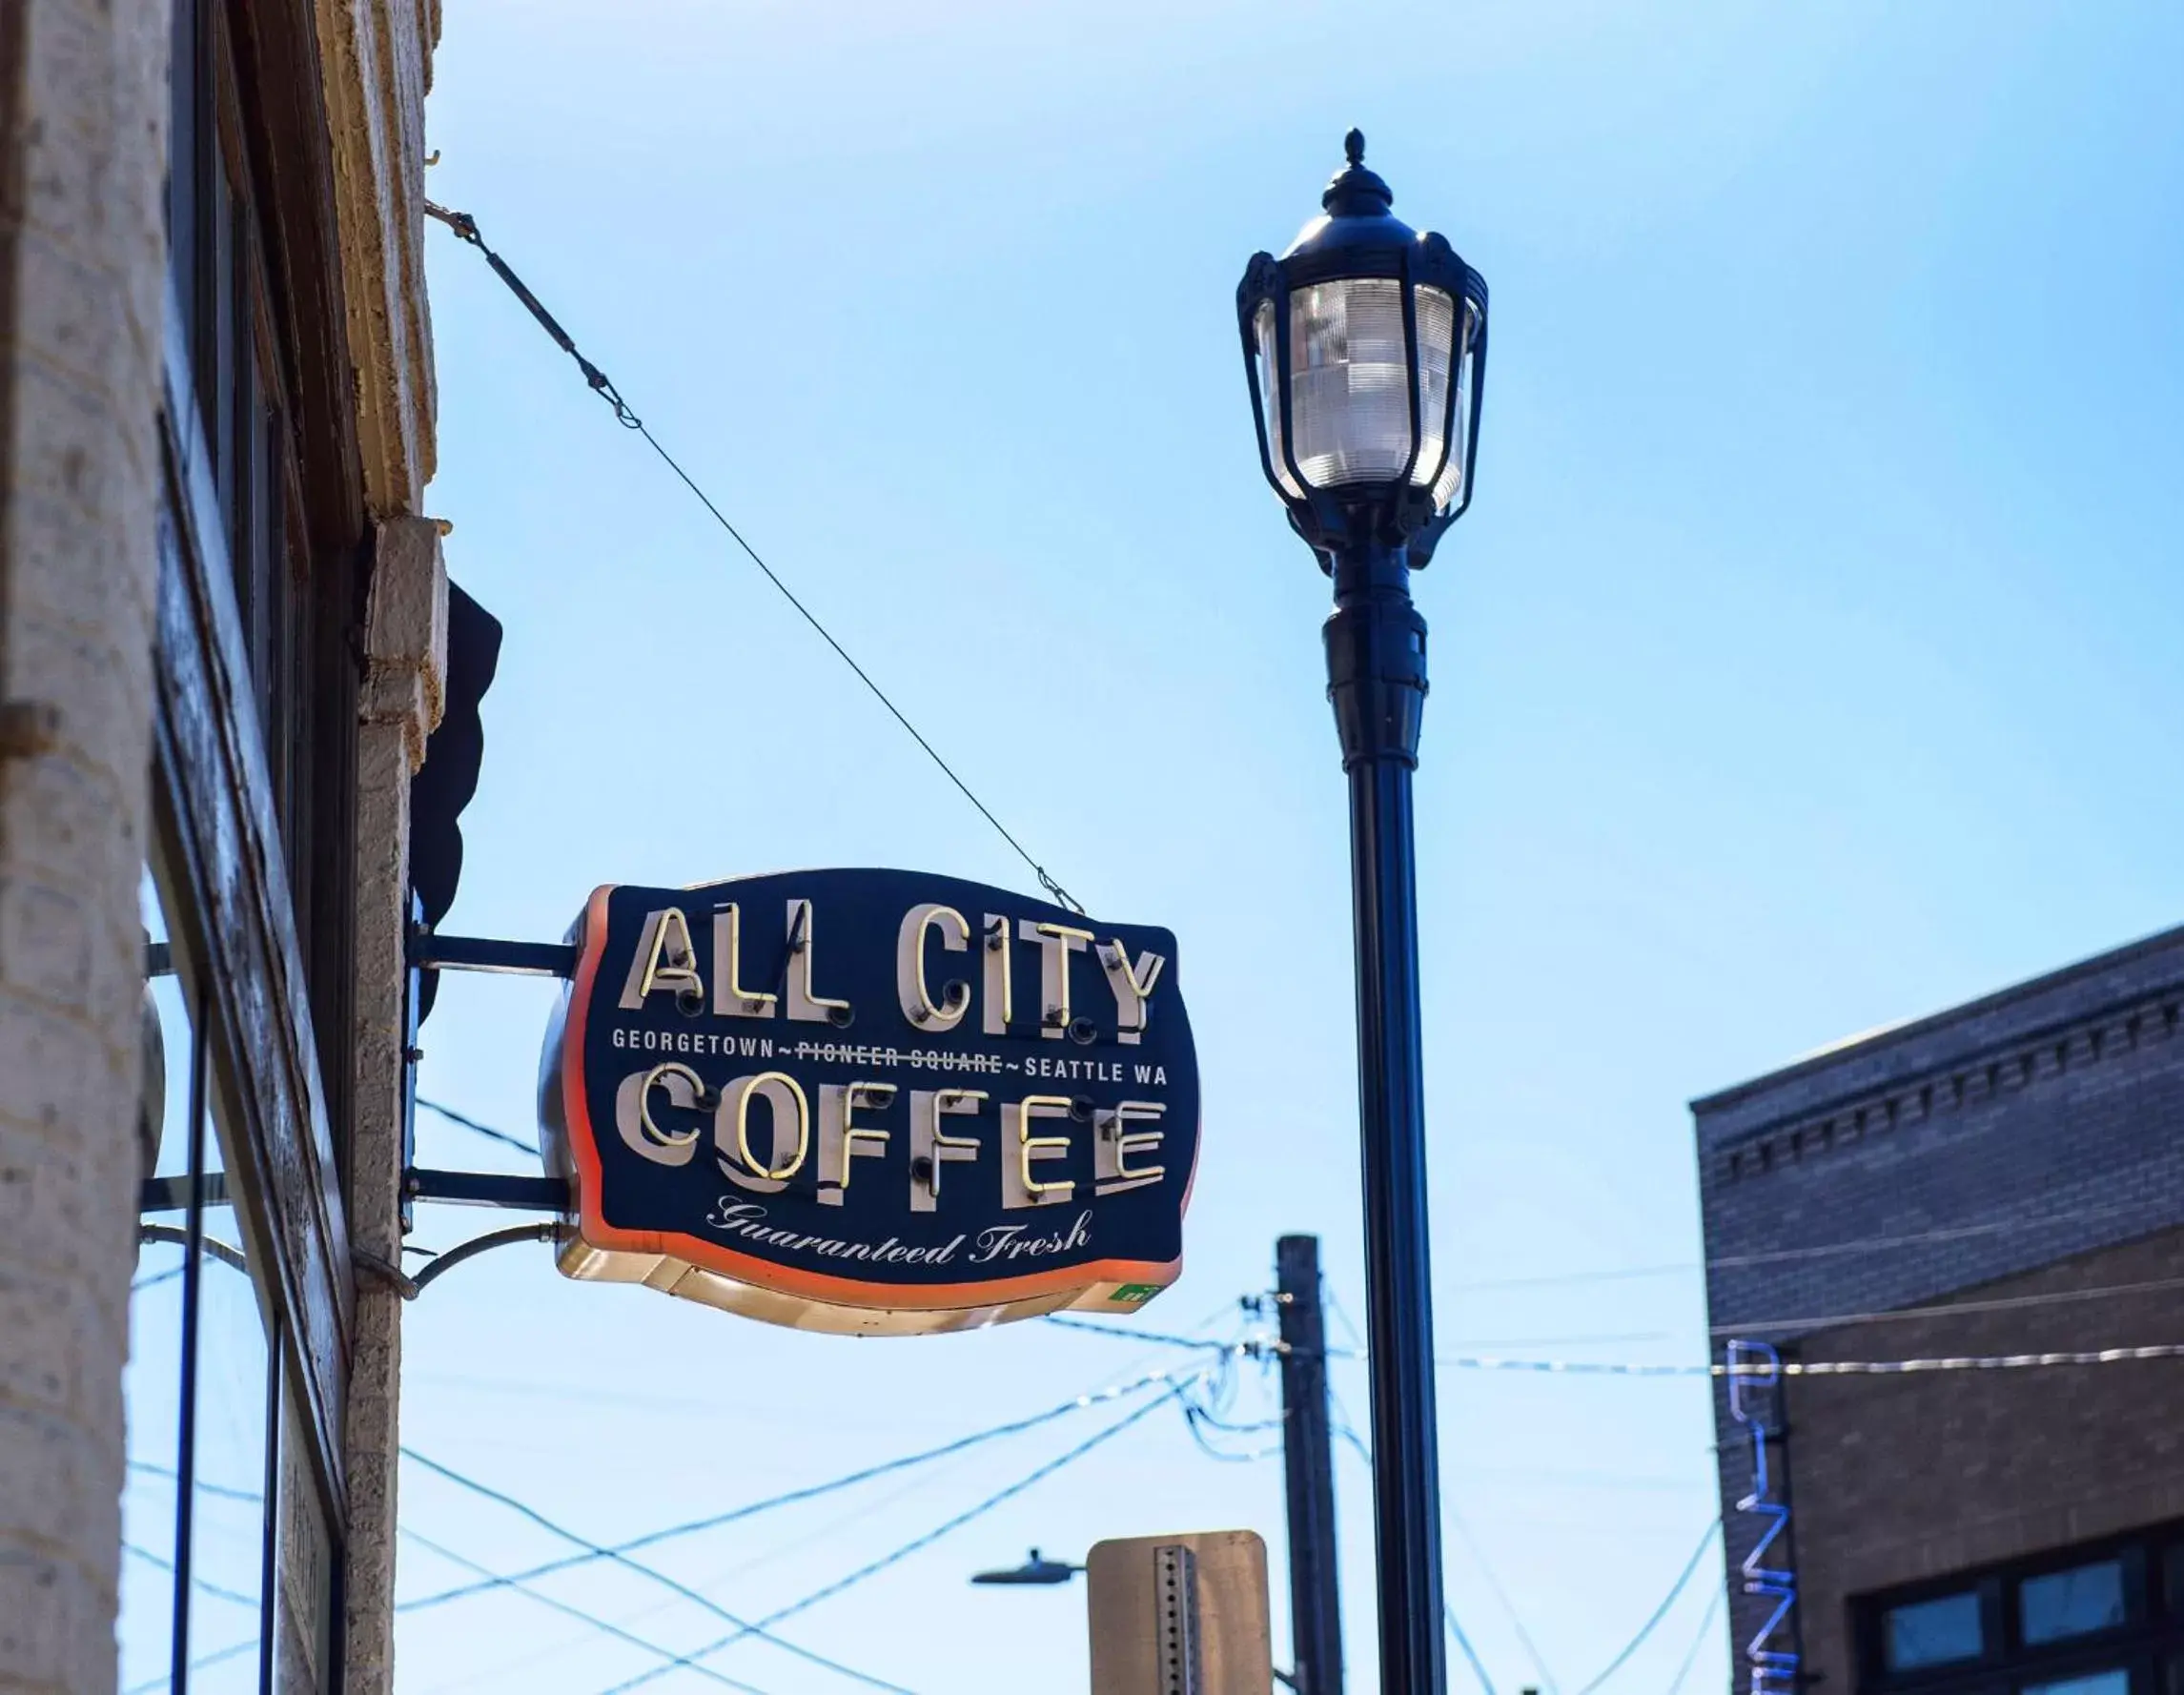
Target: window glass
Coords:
[(2176, 1564), (2176, 1674), (2114, 1682), (152, 1384), (2071, 1603), (1935, 1632), (228, 1528)]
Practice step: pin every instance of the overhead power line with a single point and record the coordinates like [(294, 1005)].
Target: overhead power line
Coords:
[(1660, 1612), (1698, 1642), (873, 1567), (792, 1497), (1547, 1679), (1449, 1613), (1872, 1244), (1470, 1653), (467, 227), (1948, 1309), (604, 1626), (1123, 1333), (652, 1574)]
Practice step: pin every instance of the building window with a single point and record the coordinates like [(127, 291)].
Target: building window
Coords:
[(232, 1547), (203, 1387), (1936, 1632), (2115, 1680), (2073, 1603), (295, 612), (2103, 1618)]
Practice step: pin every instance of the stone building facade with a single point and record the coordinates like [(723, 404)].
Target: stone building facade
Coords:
[(2004, 1180), (223, 653)]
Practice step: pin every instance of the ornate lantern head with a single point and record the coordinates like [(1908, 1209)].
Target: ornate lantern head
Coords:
[(1366, 349)]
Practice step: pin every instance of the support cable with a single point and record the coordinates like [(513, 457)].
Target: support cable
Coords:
[(466, 228), (487, 1130), (501, 1498), (895, 1556)]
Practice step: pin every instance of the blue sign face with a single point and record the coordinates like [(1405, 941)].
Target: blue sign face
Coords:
[(872, 1090)]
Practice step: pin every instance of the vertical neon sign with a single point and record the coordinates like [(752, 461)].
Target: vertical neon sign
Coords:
[(1754, 1370)]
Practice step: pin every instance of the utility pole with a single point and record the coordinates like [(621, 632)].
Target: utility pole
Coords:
[(1308, 1468)]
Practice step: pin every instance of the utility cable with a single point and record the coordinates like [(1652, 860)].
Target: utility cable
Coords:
[(1872, 1244), (1547, 1679), (1705, 1628), (502, 1498), (604, 1626), (897, 1555), (2004, 1304), (1123, 1333), (1660, 1612), (484, 1130), (466, 228), (1470, 1653), (792, 1497), (1344, 1429), (203, 1586)]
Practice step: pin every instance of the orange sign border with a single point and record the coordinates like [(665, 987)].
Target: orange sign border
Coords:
[(763, 1274)]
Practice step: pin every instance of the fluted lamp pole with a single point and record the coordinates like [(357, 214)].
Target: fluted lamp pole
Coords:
[(1366, 347)]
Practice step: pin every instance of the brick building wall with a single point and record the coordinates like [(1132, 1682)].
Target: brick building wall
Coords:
[(2029, 1142), (89, 665), (83, 104), (1898, 1478)]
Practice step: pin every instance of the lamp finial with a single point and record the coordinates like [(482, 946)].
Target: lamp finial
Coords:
[(1354, 147)]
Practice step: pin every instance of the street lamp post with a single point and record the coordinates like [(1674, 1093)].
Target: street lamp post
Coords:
[(1366, 346)]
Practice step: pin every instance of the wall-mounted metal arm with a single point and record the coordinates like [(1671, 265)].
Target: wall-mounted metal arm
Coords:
[(172, 1194), (489, 1189), (488, 953)]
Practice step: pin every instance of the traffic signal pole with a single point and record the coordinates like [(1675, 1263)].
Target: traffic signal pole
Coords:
[(1308, 1468)]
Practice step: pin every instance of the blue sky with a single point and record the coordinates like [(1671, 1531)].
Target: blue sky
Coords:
[(1805, 662)]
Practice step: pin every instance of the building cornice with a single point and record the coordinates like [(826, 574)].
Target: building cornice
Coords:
[(1970, 1078), (1877, 1044), (377, 60)]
